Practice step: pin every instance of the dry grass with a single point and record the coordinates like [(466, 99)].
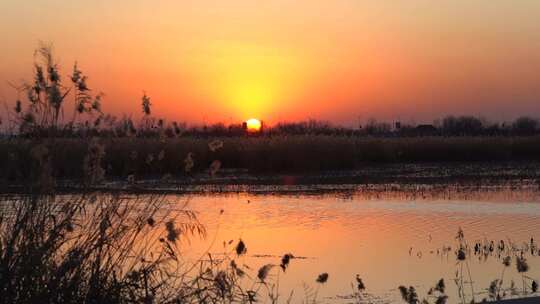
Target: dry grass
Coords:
[(298, 154)]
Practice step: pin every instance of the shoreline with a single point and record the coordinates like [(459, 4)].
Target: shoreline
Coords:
[(394, 177)]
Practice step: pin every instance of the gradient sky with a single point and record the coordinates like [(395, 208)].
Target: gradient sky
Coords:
[(340, 60)]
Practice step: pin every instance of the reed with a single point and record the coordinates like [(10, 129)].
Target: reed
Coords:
[(148, 158)]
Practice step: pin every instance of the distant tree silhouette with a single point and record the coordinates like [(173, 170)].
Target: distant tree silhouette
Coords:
[(525, 126), (373, 127), (462, 125)]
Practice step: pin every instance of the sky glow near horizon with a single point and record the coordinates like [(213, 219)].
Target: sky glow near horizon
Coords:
[(344, 60)]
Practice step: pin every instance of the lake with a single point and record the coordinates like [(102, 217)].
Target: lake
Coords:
[(389, 235)]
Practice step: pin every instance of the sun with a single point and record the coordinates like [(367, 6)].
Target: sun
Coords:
[(253, 125)]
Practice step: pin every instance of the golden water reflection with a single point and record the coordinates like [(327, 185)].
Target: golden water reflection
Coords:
[(389, 240)]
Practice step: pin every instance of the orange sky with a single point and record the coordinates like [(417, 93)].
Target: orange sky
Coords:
[(341, 60)]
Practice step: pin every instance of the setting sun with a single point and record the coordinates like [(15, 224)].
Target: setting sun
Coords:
[(253, 125)]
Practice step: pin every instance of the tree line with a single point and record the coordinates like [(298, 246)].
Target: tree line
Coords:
[(43, 113)]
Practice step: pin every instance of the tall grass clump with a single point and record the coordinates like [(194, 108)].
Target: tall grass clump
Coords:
[(44, 112), (88, 248)]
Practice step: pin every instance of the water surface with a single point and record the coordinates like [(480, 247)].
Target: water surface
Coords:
[(389, 238)]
